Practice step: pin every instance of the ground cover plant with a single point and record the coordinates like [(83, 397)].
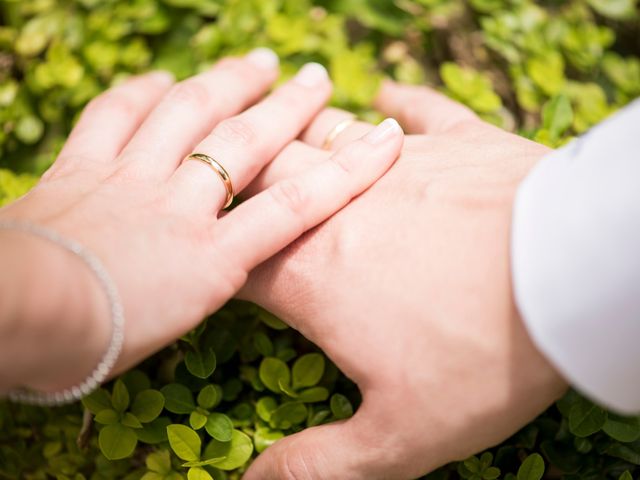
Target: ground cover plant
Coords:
[(220, 395)]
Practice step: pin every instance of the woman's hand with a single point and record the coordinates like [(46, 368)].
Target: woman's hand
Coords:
[(408, 291), (121, 189)]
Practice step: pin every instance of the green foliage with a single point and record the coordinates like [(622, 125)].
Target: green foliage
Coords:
[(202, 408)]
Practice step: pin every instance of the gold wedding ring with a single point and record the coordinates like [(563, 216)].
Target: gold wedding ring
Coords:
[(337, 130), (219, 169)]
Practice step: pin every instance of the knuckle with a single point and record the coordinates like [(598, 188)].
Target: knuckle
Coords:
[(236, 131), (191, 92), (345, 158), (294, 466), (290, 195)]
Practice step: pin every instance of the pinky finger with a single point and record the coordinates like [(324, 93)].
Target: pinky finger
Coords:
[(268, 222)]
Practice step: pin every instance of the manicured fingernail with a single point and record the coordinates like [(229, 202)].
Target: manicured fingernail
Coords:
[(311, 75), (263, 58), (387, 129), (162, 76)]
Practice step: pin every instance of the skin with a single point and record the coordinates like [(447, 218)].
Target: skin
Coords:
[(408, 291), (121, 189)]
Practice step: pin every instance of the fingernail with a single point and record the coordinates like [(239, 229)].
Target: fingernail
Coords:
[(311, 75), (387, 129), (162, 76), (263, 58)]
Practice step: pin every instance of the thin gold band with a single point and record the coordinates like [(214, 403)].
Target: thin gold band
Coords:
[(337, 130), (219, 169)]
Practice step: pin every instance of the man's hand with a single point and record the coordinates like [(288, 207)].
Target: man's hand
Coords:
[(408, 291)]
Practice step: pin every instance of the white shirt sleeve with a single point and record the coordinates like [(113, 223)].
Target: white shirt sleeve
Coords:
[(576, 260)]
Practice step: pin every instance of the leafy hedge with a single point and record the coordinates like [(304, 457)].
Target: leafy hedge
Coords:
[(203, 407)]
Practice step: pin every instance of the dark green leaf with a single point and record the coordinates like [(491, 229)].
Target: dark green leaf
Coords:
[(201, 364), (585, 418), (120, 396), (97, 401), (532, 468), (308, 370), (178, 398), (340, 406), (147, 405)]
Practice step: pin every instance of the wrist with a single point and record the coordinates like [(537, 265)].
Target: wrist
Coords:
[(54, 317)]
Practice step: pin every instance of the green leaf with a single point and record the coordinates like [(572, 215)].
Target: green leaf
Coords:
[(148, 405), (313, 394), (159, 462), (203, 463), (625, 476), (219, 426), (274, 371), (615, 9), (107, 416), (271, 320), (286, 389), (178, 398), (197, 420), (236, 452), (201, 364), (154, 432), (209, 396), (185, 443), (585, 418), (197, 473), (265, 406), (557, 115), (308, 370), (117, 441), (97, 401), (129, 420), (340, 406), (532, 468), (120, 396), (623, 429), (29, 129), (263, 344), (288, 414), (491, 473), (265, 437)]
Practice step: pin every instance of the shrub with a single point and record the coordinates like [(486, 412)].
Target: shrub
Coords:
[(205, 406)]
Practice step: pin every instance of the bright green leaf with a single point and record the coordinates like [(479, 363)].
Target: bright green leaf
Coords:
[(219, 426), (274, 371), (236, 452), (185, 443)]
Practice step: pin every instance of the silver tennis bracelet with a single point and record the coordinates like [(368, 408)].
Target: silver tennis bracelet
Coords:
[(104, 368)]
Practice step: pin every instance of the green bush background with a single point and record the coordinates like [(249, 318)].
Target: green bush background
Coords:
[(547, 70)]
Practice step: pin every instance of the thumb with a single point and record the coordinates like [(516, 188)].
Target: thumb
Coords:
[(337, 450)]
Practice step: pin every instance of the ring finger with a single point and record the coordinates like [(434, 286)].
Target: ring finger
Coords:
[(333, 128), (244, 144)]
